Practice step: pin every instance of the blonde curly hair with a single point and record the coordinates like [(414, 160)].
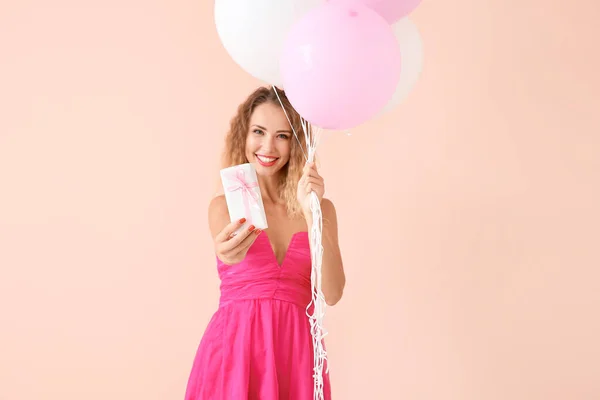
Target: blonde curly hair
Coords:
[(235, 143)]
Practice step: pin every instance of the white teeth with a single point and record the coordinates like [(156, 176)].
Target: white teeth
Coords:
[(266, 159)]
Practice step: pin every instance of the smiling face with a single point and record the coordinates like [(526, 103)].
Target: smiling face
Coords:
[(260, 133), (268, 141)]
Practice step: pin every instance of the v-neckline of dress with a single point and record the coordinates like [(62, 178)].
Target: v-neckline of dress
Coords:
[(290, 243)]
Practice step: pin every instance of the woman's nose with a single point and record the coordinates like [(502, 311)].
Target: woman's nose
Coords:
[(268, 143)]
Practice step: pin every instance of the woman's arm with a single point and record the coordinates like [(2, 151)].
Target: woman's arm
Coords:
[(332, 271)]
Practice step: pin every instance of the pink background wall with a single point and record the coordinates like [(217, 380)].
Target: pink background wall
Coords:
[(475, 275)]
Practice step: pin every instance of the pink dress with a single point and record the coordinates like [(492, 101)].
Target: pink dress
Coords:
[(258, 346)]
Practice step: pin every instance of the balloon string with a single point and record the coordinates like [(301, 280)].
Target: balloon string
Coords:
[(318, 303), (289, 121)]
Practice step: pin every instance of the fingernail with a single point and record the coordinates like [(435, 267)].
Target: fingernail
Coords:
[(258, 231), (242, 220), (251, 228)]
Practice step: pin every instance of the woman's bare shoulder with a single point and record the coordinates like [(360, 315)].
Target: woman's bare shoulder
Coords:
[(218, 205)]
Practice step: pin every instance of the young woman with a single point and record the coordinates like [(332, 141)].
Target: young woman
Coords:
[(258, 343)]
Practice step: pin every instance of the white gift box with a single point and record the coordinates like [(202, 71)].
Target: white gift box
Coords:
[(242, 194)]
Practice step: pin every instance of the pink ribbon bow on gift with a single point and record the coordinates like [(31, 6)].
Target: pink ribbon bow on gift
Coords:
[(246, 187)]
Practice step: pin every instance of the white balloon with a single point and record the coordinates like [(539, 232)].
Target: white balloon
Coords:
[(411, 52), (253, 32)]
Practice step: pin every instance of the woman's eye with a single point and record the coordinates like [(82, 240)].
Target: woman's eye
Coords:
[(258, 132), (283, 136)]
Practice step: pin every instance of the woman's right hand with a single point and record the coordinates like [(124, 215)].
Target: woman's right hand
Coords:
[(231, 248)]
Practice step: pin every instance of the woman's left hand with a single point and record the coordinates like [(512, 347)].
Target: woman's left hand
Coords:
[(310, 181)]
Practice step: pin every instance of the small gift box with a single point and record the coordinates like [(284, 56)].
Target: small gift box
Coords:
[(242, 194)]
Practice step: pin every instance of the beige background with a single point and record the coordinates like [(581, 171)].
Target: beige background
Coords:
[(475, 275)]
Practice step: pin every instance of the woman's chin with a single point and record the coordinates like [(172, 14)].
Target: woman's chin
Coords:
[(267, 171)]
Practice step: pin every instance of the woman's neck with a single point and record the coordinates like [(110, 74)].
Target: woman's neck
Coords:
[(269, 188)]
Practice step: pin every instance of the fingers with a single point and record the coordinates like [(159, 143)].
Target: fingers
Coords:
[(235, 249), (310, 169), (314, 188), (313, 183), (247, 242), (226, 233), (311, 180), (235, 241)]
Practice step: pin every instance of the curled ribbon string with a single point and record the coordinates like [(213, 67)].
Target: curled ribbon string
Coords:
[(239, 177), (316, 308)]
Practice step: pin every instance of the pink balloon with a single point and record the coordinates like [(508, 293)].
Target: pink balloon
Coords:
[(340, 65), (391, 10)]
